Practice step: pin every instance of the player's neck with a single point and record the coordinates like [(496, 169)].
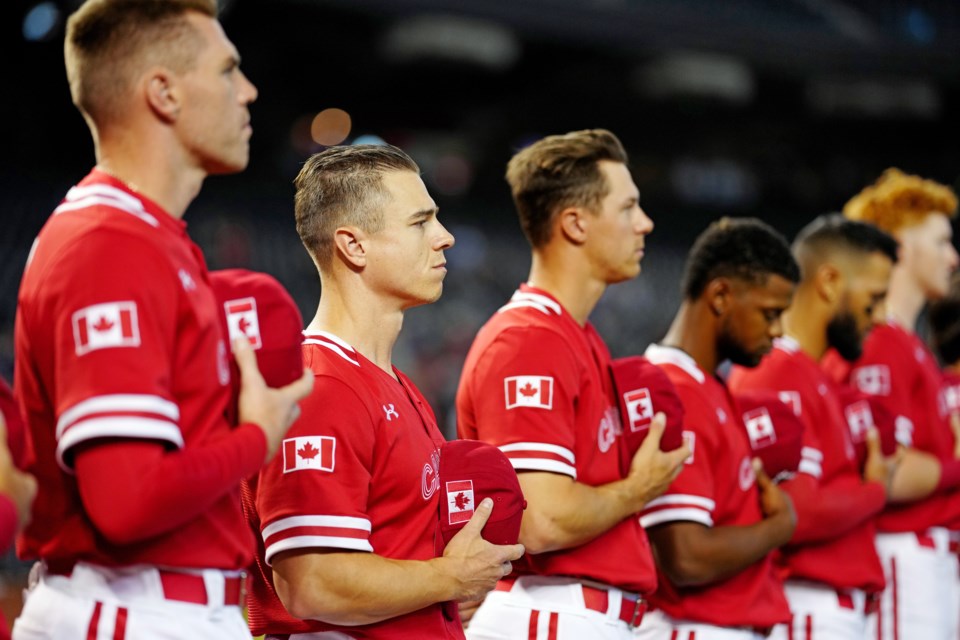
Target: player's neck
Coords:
[(691, 331), (905, 299), (567, 280), (807, 328)]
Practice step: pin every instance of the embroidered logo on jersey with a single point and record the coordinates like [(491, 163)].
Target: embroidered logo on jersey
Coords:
[(243, 321), (223, 364), (903, 430), (460, 500), (859, 419), (873, 380), (639, 408), (390, 411), (186, 280), (529, 391), (430, 480), (689, 439), (309, 452), (609, 429), (950, 400), (760, 428), (105, 325), (792, 400), (747, 474)]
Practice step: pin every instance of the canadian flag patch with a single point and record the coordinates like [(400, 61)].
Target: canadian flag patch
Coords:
[(873, 380), (243, 321), (529, 391), (859, 419), (460, 500), (760, 428), (109, 324), (309, 452), (639, 408)]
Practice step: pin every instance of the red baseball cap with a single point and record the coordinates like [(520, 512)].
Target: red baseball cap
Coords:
[(643, 389), (255, 306), (862, 412), (774, 430), (470, 471)]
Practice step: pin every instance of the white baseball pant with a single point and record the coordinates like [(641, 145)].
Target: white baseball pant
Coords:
[(820, 612), (547, 608), (922, 597), (99, 603), (657, 625)]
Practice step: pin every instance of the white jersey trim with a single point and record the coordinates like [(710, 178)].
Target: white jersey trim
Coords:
[(341, 522), (563, 452), (333, 347), (540, 464), (674, 515), (105, 195), (813, 454), (135, 428), (118, 403), (786, 343), (523, 303), (303, 542), (683, 499), (538, 299), (810, 468), (659, 354)]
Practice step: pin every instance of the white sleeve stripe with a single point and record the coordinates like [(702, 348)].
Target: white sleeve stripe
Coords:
[(672, 515), (306, 542), (118, 403), (810, 452), (540, 464), (811, 468), (340, 522), (539, 446), (123, 427), (683, 499)]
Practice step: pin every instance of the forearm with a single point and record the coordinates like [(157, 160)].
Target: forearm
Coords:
[(355, 588), (562, 513), (825, 512), (691, 554), (134, 490)]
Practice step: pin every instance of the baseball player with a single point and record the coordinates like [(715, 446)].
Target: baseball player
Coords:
[(348, 514), (833, 572), (920, 600), (536, 383), (121, 366), (714, 529)]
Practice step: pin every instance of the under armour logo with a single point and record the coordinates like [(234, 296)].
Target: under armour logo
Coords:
[(390, 412), (186, 280)]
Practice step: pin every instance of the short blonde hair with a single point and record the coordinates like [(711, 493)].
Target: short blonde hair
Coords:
[(110, 42), (898, 200)]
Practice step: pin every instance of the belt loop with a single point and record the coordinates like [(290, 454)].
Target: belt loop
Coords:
[(215, 583)]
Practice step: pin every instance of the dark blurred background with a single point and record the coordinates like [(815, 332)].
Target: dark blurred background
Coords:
[(779, 109)]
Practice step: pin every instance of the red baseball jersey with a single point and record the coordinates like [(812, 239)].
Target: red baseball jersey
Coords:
[(717, 488), (848, 560), (358, 471), (537, 384), (117, 336), (898, 368)]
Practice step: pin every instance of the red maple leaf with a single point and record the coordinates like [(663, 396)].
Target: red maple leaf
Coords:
[(243, 325), (308, 451), (462, 500), (528, 390), (102, 324)]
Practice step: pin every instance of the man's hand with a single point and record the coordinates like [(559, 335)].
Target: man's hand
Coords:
[(18, 486), (475, 564), (652, 470), (775, 504), (877, 467), (467, 609), (273, 410)]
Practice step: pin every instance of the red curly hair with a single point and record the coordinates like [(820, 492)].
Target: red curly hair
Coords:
[(898, 200)]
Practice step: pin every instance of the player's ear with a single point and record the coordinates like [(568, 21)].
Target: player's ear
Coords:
[(829, 282), (351, 245), (717, 294), (158, 87), (572, 223)]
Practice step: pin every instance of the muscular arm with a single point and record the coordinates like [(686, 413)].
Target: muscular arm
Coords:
[(825, 512), (137, 489), (354, 588), (563, 513)]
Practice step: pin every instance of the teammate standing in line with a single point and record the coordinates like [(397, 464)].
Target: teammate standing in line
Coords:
[(536, 383), (348, 513), (922, 592), (714, 529), (121, 366), (833, 572)]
